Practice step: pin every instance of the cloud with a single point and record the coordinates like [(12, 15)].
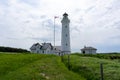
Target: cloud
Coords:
[(93, 22)]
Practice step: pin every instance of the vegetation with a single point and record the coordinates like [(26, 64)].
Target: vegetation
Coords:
[(89, 67), (34, 67), (50, 67), (111, 56), (10, 49)]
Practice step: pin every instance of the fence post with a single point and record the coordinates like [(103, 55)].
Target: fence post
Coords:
[(62, 57), (101, 71), (69, 61)]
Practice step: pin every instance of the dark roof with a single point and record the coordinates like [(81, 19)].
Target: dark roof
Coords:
[(45, 45), (65, 14), (88, 48), (36, 44), (32, 47)]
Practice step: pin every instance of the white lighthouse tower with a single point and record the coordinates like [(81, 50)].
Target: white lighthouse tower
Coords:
[(65, 37)]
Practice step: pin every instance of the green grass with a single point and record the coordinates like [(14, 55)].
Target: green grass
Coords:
[(89, 67), (112, 56), (34, 67), (49, 67)]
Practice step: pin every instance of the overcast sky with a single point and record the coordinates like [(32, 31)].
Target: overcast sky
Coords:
[(94, 23)]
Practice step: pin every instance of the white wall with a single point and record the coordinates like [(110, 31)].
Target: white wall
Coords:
[(90, 51), (65, 31)]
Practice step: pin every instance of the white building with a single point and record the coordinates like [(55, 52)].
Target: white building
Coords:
[(35, 48), (57, 50), (45, 48), (65, 37), (88, 50)]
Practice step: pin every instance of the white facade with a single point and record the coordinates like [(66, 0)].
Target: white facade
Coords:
[(57, 50), (65, 37), (45, 48), (35, 48), (88, 50)]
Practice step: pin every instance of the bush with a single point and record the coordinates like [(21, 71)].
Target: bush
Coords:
[(10, 49)]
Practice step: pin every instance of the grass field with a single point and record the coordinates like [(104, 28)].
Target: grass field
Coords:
[(89, 67), (18, 66), (34, 67), (112, 56)]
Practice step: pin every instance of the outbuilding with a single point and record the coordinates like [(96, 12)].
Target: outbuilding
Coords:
[(88, 50)]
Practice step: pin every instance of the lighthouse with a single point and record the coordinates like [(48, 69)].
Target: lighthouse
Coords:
[(65, 36)]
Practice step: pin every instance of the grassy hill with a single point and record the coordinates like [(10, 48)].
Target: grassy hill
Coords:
[(50, 67), (34, 67), (89, 66)]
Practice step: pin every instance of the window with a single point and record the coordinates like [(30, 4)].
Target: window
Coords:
[(83, 52), (66, 44), (66, 35)]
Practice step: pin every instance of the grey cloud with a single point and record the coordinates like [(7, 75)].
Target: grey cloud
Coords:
[(12, 38), (81, 20), (27, 21), (30, 2), (43, 16), (116, 4), (4, 2), (33, 16), (48, 23), (116, 25), (90, 9), (75, 29), (24, 21), (108, 48), (77, 10), (115, 37), (46, 39)]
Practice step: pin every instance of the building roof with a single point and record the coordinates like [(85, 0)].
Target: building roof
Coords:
[(46, 45), (36, 44), (65, 14), (33, 47), (88, 48), (57, 47)]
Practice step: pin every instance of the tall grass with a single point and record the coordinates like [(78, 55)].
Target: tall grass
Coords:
[(89, 67), (34, 67), (101, 56)]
